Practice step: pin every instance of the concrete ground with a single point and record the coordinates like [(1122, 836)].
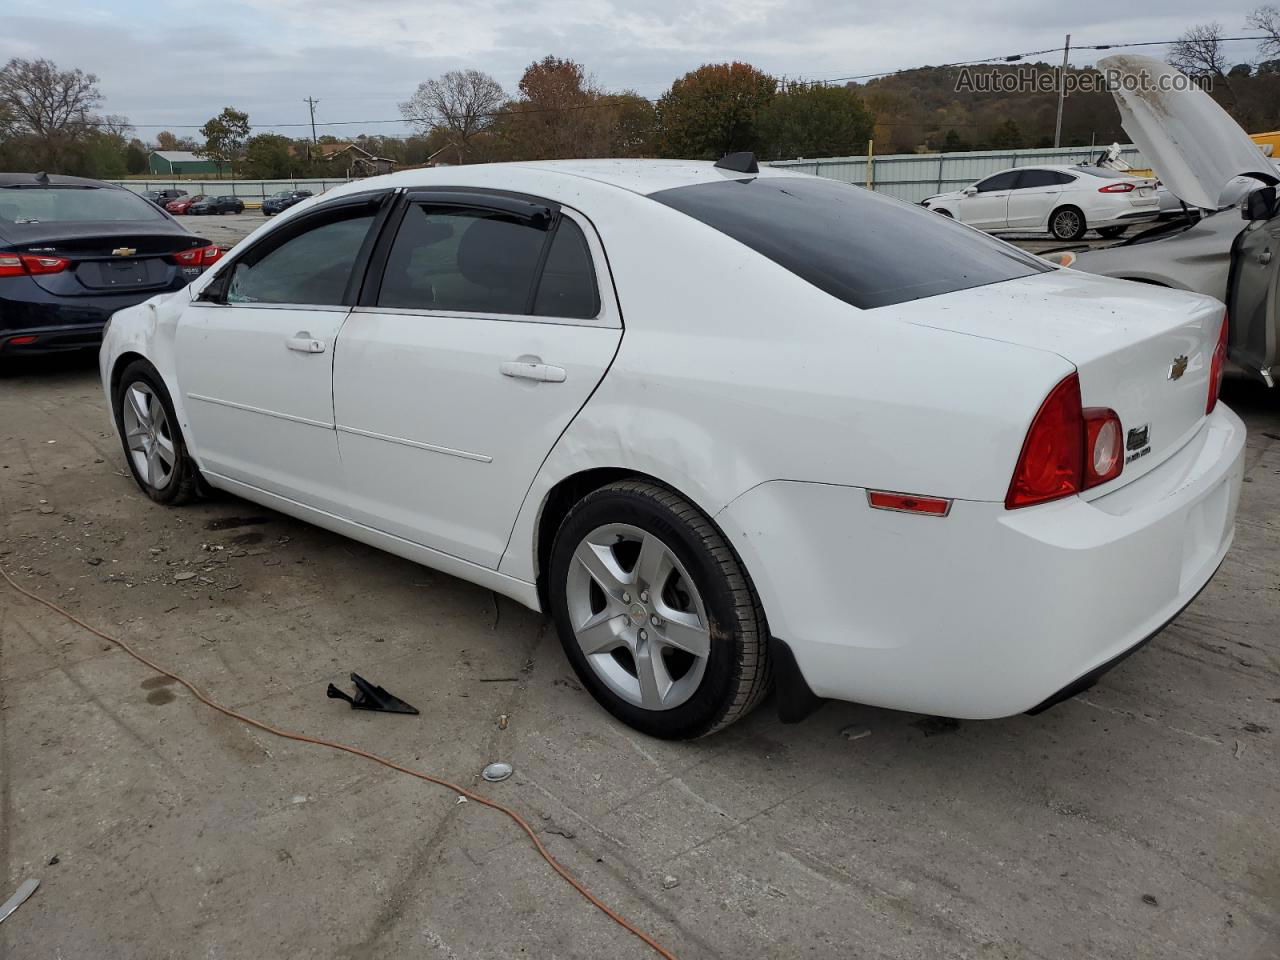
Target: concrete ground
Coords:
[(1140, 820)]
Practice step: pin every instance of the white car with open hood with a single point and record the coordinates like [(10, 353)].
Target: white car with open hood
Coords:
[(733, 429)]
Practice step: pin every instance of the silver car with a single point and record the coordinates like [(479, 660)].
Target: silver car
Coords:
[(1200, 153)]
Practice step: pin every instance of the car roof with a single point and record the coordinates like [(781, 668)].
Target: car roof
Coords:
[(53, 179), (637, 176)]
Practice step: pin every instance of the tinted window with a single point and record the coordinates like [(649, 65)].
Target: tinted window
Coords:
[(312, 267), (73, 204), (1001, 181), (568, 284), (1043, 178), (859, 246), (468, 260)]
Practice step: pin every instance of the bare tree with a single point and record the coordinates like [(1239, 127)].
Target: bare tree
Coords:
[(53, 107), (1266, 20), (460, 104), (1199, 52)]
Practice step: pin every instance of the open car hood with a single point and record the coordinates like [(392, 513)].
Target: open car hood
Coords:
[(1190, 141)]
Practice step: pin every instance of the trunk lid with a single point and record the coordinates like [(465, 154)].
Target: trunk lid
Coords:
[(1191, 142), (109, 258), (1143, 351)]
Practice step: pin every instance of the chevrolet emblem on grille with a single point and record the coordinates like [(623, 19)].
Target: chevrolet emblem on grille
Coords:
[(124, 251), (1177, 368)]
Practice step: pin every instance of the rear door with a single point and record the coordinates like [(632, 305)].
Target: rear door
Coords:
[(254, 353), (1034, 197), (1254, 297), (988, 209), (485, 324)]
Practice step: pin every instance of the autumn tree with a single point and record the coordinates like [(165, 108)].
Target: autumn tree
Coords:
[(49, 110), (462, 105), (224, 138), (714, 110), (813, 120)]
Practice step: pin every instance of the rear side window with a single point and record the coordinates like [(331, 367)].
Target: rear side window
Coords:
[(468, 260), (863, 248), (1044, 178), (567, 287), (312, 267), (73, 205)]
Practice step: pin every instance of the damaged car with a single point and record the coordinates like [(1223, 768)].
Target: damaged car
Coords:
[(1228, 244)]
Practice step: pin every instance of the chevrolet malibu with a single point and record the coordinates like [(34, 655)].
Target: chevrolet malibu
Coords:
[(733, 429)]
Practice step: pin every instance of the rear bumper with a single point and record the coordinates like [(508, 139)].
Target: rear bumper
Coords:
[(58, 339), (59, 323), (986, 612)]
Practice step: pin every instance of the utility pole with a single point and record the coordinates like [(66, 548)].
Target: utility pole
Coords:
[(312, 104), (1062, 91)]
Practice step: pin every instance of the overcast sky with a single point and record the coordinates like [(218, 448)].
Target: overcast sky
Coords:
[(178, 63)]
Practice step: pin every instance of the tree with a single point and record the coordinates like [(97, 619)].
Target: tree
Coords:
[(269, 156), (224, 137), (713, 110), (1199, 52), (135, 157), (1266, 20), (555, 115), (1007, 136), (50, 109), (813, 120), (462, 103)]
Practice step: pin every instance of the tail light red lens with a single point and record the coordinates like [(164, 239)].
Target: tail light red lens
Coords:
[(199, 256), (1117, 188), (1068, 449), (1216, 366), (26, 264)]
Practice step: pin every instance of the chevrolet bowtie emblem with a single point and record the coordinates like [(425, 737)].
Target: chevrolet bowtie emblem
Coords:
[(124, 251), (1177, 368)]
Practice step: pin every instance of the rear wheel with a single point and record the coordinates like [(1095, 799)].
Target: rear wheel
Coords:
[(153, 444), (656, 613), (1068, 223)]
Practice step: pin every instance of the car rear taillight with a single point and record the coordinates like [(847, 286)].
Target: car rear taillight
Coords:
[(1116, 188), (1217, 365), (1068, 449), (25, 264), (196, 257)]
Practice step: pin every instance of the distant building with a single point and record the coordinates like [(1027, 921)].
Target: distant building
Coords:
[(171, 162), (350, 159)]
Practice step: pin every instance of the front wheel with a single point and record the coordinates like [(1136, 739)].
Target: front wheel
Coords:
[(1067, 223), (153, 444), (656, 613)]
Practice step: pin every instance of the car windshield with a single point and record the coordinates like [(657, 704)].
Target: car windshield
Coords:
[(282, 194), (56, 204), (864, 248)]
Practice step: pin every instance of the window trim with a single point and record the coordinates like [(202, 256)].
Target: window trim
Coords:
[(608, 315)]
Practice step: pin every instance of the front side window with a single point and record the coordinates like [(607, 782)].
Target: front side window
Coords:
[(469, 260), (861, 247), (313, 267), (1001, 181)]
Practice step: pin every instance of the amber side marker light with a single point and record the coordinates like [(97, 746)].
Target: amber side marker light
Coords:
[(908, 503)]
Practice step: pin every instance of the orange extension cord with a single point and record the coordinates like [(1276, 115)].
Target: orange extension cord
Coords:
[(319, 741)]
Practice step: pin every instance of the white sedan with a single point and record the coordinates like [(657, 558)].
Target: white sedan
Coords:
[(1064, 201), (732, 429)]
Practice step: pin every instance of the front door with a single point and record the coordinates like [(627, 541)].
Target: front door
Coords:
[(254, 355), (1254, 298), (988, 207), (483, 334)]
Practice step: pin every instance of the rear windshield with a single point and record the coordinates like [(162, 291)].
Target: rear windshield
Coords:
[(73, 205), (864, 248)]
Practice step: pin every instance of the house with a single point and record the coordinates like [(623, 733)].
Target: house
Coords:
[(172, 162), (350, 159)]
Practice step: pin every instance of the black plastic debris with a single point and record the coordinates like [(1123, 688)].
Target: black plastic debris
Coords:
[(371, 697)]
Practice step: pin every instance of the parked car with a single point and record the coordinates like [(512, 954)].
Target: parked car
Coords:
[(1213, 252), (184, 204), (1066, 201), (283, 201), (845, 446), (73, 251), (162, 197), (217, 205)]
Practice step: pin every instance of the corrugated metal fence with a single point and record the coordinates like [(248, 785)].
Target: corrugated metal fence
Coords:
[(915, 176)]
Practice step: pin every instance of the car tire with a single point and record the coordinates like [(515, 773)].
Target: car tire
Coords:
[(148, 427), (1068, 223), (701, 634), (1110, 233)]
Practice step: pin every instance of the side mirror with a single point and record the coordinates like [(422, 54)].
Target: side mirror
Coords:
[(1260, 205), (970, 191)]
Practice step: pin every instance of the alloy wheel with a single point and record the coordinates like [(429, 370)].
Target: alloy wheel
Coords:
[(1066, 224), (637, 616), (148, 435)]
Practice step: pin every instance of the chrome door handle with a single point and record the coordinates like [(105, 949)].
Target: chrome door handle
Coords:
[(303, 342), (526, 370)]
